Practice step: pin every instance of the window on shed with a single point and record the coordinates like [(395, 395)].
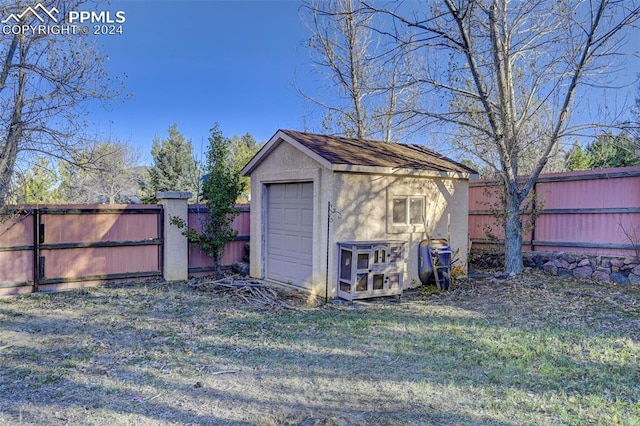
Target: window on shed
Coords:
[(408, 210)]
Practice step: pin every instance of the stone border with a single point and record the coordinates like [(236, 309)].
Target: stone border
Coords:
[(620, 270)]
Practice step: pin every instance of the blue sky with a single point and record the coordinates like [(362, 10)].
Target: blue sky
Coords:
[(195, 63), (198, 62)]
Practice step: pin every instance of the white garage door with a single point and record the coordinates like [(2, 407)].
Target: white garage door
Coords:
[(289, 233)]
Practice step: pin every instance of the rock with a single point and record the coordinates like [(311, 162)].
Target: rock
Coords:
[(561, 263), (582, 272), (634, 279), (617, 263), (538, 260), (564, 272), (567, 258), (636, 270), (550, 268), (605, 263), (603, 269), (619, 278), (629, 260), (240, 267), (601, 276), (584, 262)]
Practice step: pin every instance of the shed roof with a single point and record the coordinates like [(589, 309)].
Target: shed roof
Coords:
[(347, 154)]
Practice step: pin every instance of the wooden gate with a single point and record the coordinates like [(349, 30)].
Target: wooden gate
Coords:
[(67, 246)]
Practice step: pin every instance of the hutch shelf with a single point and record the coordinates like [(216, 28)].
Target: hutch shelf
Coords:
[(370, 269)]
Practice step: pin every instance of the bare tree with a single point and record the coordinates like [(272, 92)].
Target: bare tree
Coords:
[(45, 79), (367, 88), (113, 177), (503, 76), (633, 125)]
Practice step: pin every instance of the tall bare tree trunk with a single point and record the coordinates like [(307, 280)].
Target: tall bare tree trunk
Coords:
[(14, 135), (512, 231), (7, 163)]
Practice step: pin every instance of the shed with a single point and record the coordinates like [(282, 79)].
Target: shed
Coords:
[(311, 192)]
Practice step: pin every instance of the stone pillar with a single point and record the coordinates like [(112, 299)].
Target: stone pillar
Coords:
[(176, 247)]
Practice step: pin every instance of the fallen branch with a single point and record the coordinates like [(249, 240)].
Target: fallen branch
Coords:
[(215, 373), (249, 291), (153, 397), (584, 294)]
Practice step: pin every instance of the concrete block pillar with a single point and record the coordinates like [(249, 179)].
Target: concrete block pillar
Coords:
[(176, 247)]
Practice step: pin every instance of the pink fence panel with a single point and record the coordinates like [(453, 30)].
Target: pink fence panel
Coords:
[(485, 224), (63, 246), (98, 262), (595, 211), (70, 224), (80, 243), (606, 188), (16, 251), (234, 251), (586, 233)]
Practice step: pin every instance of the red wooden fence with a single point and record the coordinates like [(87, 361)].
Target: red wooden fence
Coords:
[(595, 211), (55, 247), (200, 263), (59, 246)]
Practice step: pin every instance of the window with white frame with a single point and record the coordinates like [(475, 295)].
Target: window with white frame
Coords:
[(408, 210)]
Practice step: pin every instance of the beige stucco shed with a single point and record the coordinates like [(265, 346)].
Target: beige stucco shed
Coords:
[(313, 195)]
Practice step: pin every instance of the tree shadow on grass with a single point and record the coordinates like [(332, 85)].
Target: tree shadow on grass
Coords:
[(175, 356)]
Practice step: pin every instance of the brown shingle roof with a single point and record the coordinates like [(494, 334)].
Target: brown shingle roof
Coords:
[(359, 152)]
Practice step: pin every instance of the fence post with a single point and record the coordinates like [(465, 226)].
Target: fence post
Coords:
[(176, 247)]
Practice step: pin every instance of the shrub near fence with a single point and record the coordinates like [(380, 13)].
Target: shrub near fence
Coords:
[(199, 262)]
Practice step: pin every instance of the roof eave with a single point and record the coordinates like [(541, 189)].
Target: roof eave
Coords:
[(398, 171), (275, 140)]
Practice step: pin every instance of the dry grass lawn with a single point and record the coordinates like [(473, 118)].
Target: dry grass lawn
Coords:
[(535, 350)]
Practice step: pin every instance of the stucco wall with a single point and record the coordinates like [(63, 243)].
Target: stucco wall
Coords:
[(364, 200), (287, 164)]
